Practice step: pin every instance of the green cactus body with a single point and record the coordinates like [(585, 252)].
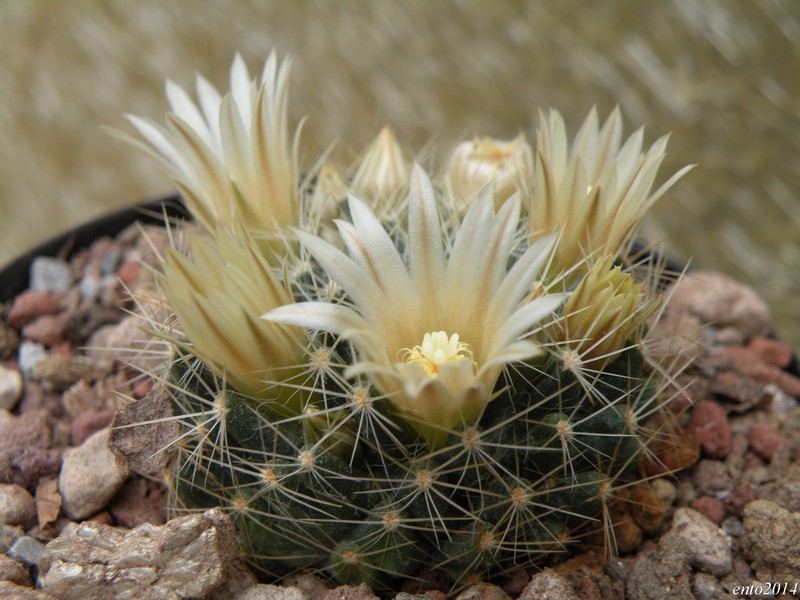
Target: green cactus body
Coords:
[(330, 490)]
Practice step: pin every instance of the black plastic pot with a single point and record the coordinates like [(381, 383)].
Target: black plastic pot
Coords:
[(14, 277)]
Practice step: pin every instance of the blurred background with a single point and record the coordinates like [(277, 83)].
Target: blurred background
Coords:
[(722, 76)]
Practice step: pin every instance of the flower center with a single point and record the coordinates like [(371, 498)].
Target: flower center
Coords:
[(436, 350)]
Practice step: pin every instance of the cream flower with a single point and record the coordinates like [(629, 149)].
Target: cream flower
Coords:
[(217, 295), (232, 156), (604, 312), (479, 162), (595, 192), (435, 330)]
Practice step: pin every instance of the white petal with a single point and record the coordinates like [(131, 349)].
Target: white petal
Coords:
[(320, 316), (187, 110), (241, 88), (425, 251), (522, 320)]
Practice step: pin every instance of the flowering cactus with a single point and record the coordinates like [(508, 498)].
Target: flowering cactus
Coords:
[(422, 381)]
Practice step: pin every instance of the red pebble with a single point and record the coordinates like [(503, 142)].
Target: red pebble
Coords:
[(47, 330), (773, 352), (129, 273), (711, 507), (764, 440), (711, 428), (32, 304), (743, 495)]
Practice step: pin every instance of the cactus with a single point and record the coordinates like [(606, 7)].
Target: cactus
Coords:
[(433, 383)]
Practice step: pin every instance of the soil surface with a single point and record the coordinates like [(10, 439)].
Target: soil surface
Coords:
[(83, 510)]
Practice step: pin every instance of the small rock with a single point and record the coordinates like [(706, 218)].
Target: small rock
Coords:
[(772, 541), (483, 591), (710, 507), (708, 548), (270, 592), (712, 429), (764, 440), (110, 261), (30, 355), (188, 557), (16, 506), (14, 571), (8, 535), (740, 391), (129, 273), (89, 286), (308, 583), (348, 592), (733, 526), (27, 550), (742, 495), (56, 372), (710, 477), (661, 573), (142, 426), (47, 330), (548, 584), (706, 587), (24, 453), (139, 501), (773, 352), (32, 304), (13, 591), (48, 501), (674, 453), (91, 475), (718, 300), (10, 387), (50, 274), (9, 341), (784, 490), (86, 424)]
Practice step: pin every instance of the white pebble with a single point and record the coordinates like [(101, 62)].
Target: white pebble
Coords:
[(50, 274), (91, 475), (10, 387), (30, 353)]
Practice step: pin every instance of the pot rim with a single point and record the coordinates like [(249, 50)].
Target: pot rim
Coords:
[(15, 275)]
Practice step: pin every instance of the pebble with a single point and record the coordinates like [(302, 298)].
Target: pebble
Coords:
[(10, 387), (14, 571), (16, 506), (706, 587), (772, 540), (30, 354), (32, 304), (764, 440), (189, 557), (110, 261), (50, 274), (28, 551), (708, 547), (548, 584), (270, 592), (8, 535), (718, 300), (710, 507), (90, 286), (91, 475), (712, 429), (483, 591), (9, 341), (733, 526), (710, 477), (662, 572), (773, 352), (348, 592), (13, 591)]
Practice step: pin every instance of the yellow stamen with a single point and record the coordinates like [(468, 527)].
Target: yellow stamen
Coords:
[(436, 350)]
